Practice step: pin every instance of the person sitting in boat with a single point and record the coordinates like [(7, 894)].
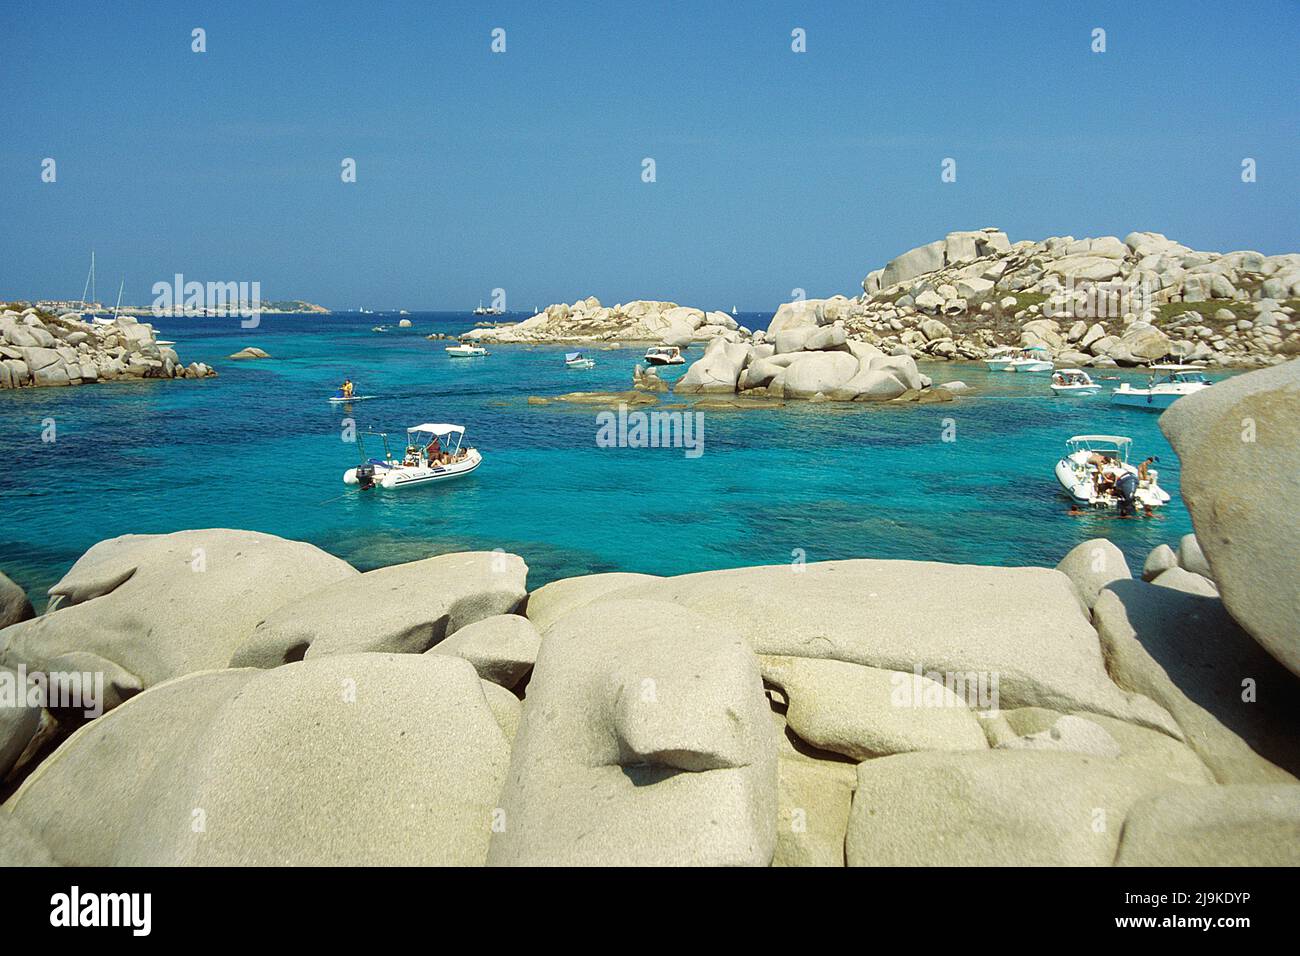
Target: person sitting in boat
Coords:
[(346, 389), (433, 451), (1058, 379)]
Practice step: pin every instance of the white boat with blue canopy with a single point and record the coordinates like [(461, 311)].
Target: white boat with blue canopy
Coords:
[(434, 451)]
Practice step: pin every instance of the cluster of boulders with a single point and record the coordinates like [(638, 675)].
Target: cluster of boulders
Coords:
[(861, 712), (586, 320), (1100, 302), (41, 350), (801, 358)]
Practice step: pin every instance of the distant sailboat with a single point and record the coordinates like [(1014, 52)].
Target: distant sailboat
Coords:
[(90, 283), (733, 311)]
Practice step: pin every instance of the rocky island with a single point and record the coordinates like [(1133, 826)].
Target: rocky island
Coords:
[(1100, 303), (41, 349), (860, 712)]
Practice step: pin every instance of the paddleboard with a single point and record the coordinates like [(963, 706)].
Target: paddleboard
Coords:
[(355, 398)]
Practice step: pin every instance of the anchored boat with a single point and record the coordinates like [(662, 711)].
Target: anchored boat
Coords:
[(433, 453), (664, 355), (1167, 384), (1073, 381), (1006, 358), (1095, 471), (464, 350), (578, 360)]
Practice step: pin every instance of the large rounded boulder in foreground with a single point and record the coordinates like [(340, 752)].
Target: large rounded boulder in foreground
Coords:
[(645, 740), (1239, 444), (360, 760), (144, 608)]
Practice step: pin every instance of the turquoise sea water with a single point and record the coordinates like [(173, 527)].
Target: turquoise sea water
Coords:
[(259, 447)]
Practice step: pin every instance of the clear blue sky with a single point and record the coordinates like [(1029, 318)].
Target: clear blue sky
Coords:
[(522, 170)]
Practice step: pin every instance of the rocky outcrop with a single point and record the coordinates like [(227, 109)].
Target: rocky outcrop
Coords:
[(994, 808), (250, 352), (399, 756), (856, 712), (1093, 565), (805, 360), (14, 605), (645, 740), (405, 608), (1234, 704), (143, 609), (502, 648), (643, 320), (1100, 302), (39, 349), (19, 719), (1239, 444), (1214, 826)]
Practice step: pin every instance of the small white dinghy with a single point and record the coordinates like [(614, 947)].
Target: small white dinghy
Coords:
[(578, 360), (465, 350), (433, 453), (1167, 384), (1073, 381), (1096, 472)]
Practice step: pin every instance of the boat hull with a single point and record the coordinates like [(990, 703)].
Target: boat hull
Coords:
[(1076, 389), (1032, 365), (1156, 399), (405, 476)]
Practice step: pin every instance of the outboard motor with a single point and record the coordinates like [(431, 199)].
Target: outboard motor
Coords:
[(366, 476)]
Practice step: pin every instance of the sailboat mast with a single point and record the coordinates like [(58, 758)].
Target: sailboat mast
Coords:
[(119, 296), (90, 275)]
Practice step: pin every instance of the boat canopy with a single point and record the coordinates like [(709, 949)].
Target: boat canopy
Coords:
[(1177, 368), (1099, 440), (570, 356), (437, 429), (1116, 443), (1037, 348)]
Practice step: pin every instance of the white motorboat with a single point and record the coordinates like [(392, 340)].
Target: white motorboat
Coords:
[(465, 350), (1033, 359), (999, 359), (578, 360), (664, 355), (1006, 358), (1073, 381), (1096, 472), (434, 452), (488, 310), (1167, 384)]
